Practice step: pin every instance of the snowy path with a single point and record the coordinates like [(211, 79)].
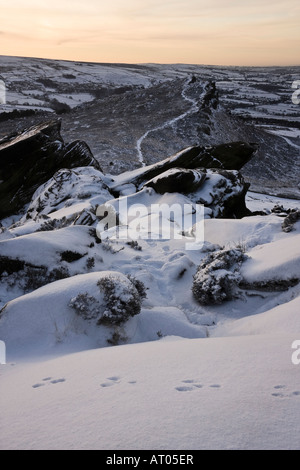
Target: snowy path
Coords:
[(169, 123), (290, 142)]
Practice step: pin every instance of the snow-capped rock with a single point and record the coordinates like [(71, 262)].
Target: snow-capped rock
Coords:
[(30, 158), (68, 193), (231, 156)]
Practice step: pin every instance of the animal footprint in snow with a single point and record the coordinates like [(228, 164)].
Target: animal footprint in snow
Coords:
[(37, 385), (57, 381), (114, 381), (48, 379), (184, 389), (192, 384), (281, 394)]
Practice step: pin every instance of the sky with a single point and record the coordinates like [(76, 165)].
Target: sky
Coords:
[(212, 32)]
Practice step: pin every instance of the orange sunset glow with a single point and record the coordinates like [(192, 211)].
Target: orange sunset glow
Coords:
[(224, 32)]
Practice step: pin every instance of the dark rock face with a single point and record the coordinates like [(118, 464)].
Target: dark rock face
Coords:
[(223, 191), (207, 175), (177, 180), (231, 156), (211, 98), (30, 158), (229, 195)]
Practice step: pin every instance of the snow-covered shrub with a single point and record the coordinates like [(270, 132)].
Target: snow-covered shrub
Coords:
[(218, 276), (70, 256), (90, 262), (139, 285), (29, 277), (87, 306), (122, 299), (134, 245)]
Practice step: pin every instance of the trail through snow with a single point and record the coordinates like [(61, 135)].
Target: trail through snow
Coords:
[(194, 108)]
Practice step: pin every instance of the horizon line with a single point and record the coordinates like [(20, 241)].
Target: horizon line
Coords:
[(148, 63)]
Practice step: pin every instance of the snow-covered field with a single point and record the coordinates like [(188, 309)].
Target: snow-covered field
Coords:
[(233, 392), (188, 377)]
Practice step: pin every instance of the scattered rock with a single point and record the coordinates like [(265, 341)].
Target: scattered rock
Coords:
[(290, 217), (289, 221)]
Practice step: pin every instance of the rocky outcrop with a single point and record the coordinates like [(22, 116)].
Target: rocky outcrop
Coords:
[(31, 158), (222, 191), (177, 180), (229, 156), (68, 187), (207, 175), (211, 98)]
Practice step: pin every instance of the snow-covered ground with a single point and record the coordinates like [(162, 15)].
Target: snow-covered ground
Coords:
[(233, 392), (187, 376), (178, 374)]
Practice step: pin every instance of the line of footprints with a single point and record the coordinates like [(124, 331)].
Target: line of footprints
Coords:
[(188, 385), (48, 380), (281, 392)]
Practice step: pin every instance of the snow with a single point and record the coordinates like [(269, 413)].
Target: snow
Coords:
[(44, 247), (184, 376), (238, 392), (34, 324), (277, 260), (188, 377), (247, 232), (279, 320)]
